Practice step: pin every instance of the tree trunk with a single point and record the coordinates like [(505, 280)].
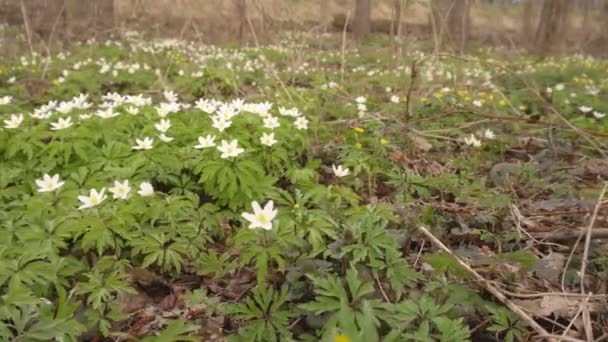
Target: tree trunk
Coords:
[(46, 18), (553, 25), (89, 18), (362, 19), (396, 27), (241, 8), (451, 22), (530, 18)]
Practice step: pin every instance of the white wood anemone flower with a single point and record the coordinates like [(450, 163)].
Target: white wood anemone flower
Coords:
[(229, 149), (62, 123), (204, 142), (14, 121), (301, 123), (120, 190), (143, 144), (49, 183), (268, 139), (340, 171), (261, 218), (471, 140), (145, 189), (93, 199)]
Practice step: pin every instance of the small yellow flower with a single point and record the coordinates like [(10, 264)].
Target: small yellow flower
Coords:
[(383, 141), (491, 97), (359, 129), (424, 99), (296, 206), (358, 146), (342, 338), (438, 95), (522, 107), (468, 99), (502, 103)]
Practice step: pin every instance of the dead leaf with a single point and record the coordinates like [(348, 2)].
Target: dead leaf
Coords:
[(550, 267), (555, 305), (421, 143)]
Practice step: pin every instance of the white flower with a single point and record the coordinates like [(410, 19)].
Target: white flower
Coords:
[(203, 142), (477, 103), (585, 109), (65, 107), (261, 218), (361, 107), (167, 108), (301, 123), (145, 189), (271, 122), (120, 190), (14, 122), (227, 112), (132, 110), (62, 123), (84, 116), (6, 100), (340, 171), (229, 149), (360, 100), (560, 87), (268, 139), (488, 134), (293, 112), (93, 199), (165, 138), (170, 96), (598, 115), (48, 183), (12, 80), (163, 126), (220, 123), (207, 106), (395, 99), (143, 144), (472, 141), (107, 113)]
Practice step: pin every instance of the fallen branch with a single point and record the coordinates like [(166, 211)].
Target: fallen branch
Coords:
[(494, 290), (564, 235)]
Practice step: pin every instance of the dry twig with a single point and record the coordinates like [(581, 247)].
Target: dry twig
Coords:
[(494, 291)]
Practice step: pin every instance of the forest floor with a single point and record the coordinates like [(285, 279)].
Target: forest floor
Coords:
[(302, 191)]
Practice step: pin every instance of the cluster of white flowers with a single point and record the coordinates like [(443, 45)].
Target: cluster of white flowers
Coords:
[(361, 103), (120, 190), (595, 113), (221, 114), (472, 140)]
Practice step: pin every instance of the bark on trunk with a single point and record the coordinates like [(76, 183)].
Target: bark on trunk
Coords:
[(553, 25), (451, 21), (362, 19)]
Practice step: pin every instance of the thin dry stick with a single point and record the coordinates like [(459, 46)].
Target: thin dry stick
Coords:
[(486, 284), (588, 236), (343, 60), (26, 24), (382, 289), (586, 315), (580, 310)]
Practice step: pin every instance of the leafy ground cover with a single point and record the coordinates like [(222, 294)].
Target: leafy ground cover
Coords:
[(167, 191)]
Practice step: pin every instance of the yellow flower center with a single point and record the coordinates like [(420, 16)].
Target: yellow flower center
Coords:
[(342, 338), (263, 218)]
